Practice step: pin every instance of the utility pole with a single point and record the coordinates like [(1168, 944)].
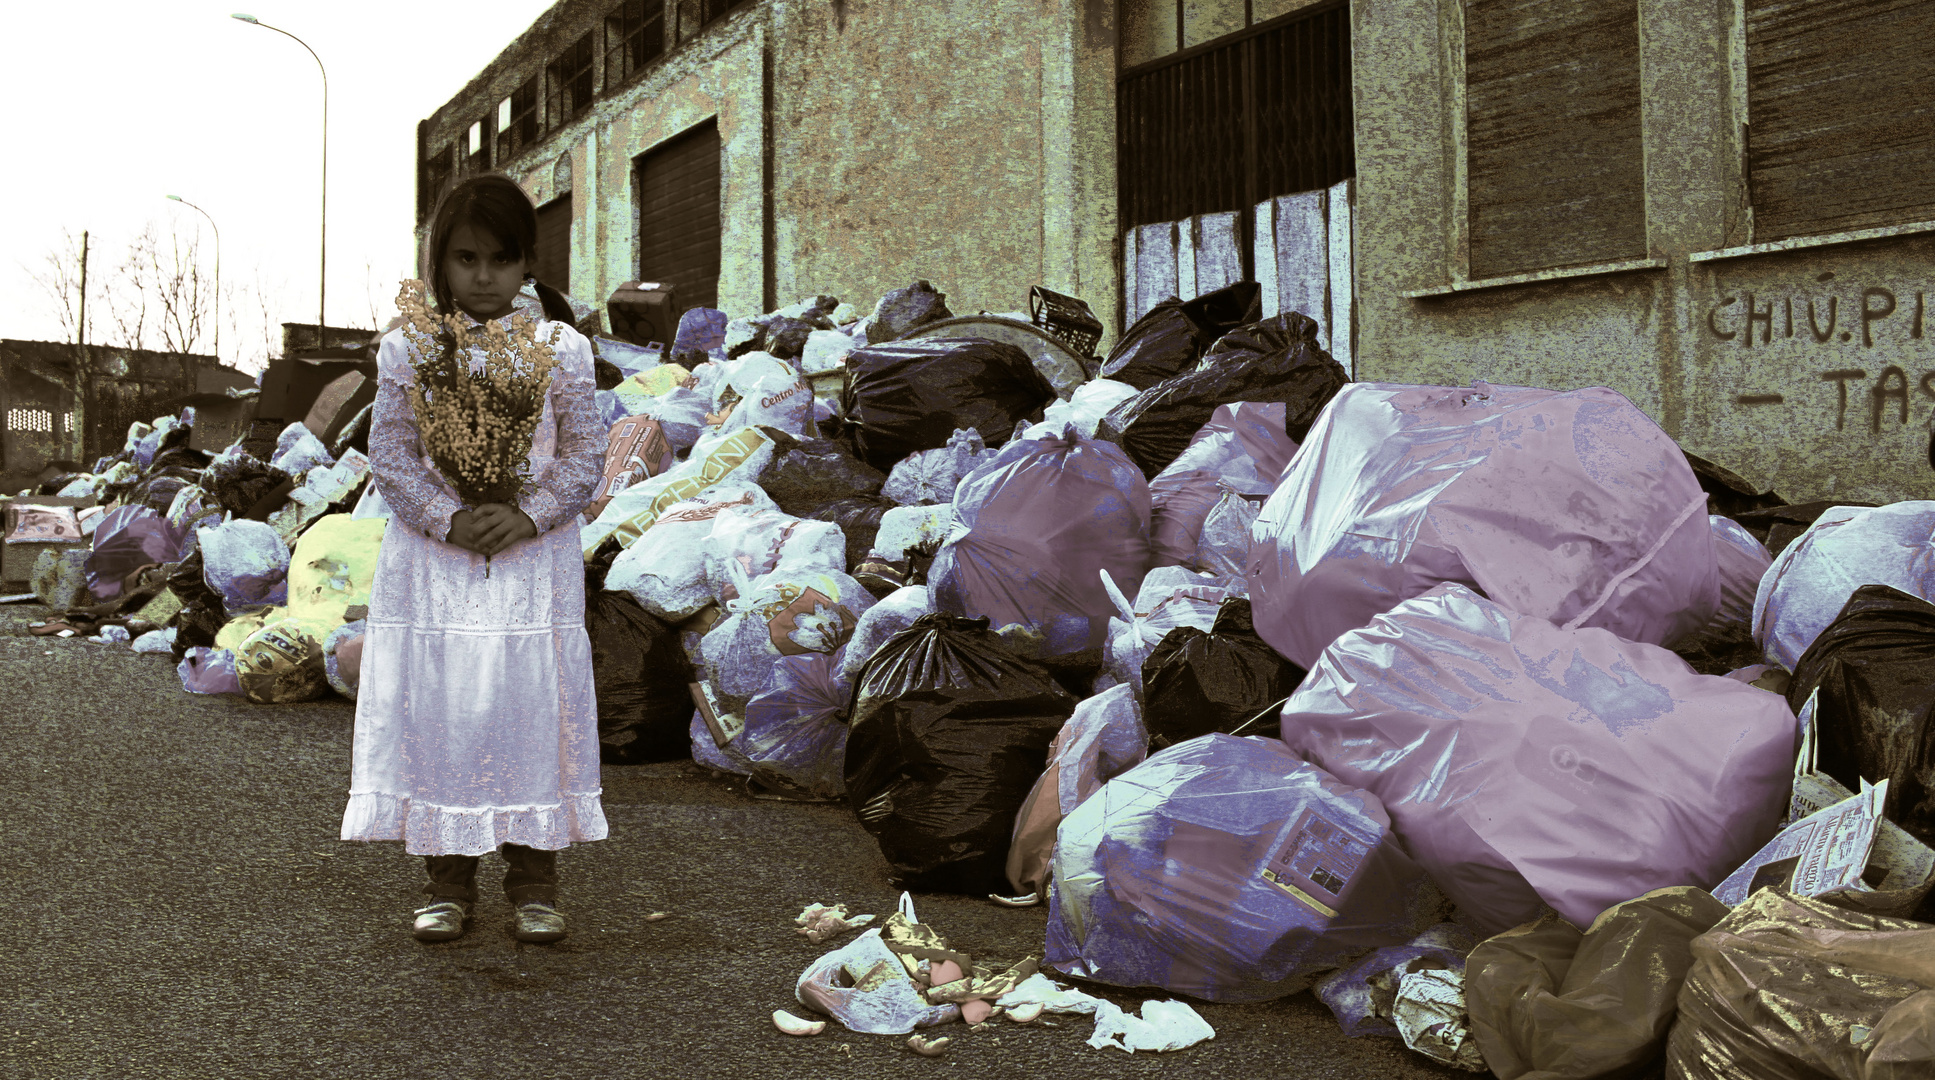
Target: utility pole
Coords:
[(83, 371)]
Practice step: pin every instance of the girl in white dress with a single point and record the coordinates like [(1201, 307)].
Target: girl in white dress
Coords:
[(476, 721)]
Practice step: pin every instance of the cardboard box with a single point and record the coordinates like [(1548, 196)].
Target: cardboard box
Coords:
[(338, 403), (291, 385), (643, 312), (636, 449), (17, 560), (220, 421)]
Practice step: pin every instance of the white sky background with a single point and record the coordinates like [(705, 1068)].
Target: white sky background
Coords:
[(117, 104)]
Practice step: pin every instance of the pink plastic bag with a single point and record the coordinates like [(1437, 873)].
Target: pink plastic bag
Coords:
[(1574, 507), (1522, 762), (1032, 530), (1242, 448)]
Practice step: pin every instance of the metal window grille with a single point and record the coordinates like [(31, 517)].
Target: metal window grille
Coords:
[(634, 37), (1227, 124), (517, 121), (40, 420)]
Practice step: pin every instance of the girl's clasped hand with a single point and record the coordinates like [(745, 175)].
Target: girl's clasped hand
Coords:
[(490, 528)]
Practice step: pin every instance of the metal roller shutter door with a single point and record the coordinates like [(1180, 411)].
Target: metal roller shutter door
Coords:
[(553, 265), (678, 216)]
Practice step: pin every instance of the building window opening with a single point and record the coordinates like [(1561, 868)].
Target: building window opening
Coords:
[(634, 37), (517, 121), (569, 81)]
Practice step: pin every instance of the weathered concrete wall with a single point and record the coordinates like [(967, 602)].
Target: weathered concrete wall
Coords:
[(966, 142), (1645, 333)]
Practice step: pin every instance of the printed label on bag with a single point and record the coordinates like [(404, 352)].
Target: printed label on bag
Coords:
[(809, 621), (1564, 771), (724, 726), (1316, 862)]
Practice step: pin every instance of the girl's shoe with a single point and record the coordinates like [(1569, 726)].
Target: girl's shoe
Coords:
[(441, 921), (538, 922)]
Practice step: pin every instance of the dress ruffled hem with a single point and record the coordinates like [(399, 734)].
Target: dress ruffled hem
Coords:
[(429, 829)]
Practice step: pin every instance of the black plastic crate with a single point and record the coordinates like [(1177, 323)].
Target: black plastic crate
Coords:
[(1066, 317)]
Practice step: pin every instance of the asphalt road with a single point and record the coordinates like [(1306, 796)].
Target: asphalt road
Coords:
[(178, 905)]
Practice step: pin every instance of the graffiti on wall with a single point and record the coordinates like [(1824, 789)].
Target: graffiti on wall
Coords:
[(1879, 316)]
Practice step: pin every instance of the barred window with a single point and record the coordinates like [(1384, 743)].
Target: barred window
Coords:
[(19, 419), (634, 37)]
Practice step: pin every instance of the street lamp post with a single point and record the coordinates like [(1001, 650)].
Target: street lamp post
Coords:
[(218, 270), (321, 288)]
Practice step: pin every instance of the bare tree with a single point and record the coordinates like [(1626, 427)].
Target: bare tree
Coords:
[(60, 280), (127, 300), (161, 299)]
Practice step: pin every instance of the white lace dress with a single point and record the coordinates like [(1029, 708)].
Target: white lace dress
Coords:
[(476, 718)]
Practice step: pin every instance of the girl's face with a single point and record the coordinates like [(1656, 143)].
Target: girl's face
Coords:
[(483, 279)]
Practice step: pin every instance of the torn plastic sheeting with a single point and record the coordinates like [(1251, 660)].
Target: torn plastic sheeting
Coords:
[(1506, 747), (1788, 988), (948, 731), (1573, 507), (1228, 869), (906, 396), (795, 738), (1102, 739), (1033, 528), (1875, 716), (897, 611), (1551, 1002), (863, 985), (1163, 1025), (1846, 547), (1223, 679), (1170, 337), (1277, 359), (1361, 994)]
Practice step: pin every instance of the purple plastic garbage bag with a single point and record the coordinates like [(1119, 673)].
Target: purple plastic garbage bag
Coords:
[(1522, 762), (1033, 529), (795, 736), (1573, 507), (130, 537), (206, 670), (1228, 869)]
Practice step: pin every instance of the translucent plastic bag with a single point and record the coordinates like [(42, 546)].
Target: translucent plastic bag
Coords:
[(931, 476), (297, 450), (1526, 763), (1846, 547), (1088, 405), (1170, 597), (784, 613), (1227, 869), (795, 738), (896, 612), (1573, 507), (1033, 528), (1104, 738), (667, 575), (1742, 562), (246, 562)]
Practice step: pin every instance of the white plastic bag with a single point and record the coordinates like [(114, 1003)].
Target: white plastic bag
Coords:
[(297, 450), (667, 576), (1805, 589), (863, 985), (1171, 596), (1086, 407), (1224, 546), (826, 351), (930, 476), (784, 613), (904, 528), (246, 562)]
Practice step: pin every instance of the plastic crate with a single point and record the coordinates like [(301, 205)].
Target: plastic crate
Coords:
[(1066, 317)]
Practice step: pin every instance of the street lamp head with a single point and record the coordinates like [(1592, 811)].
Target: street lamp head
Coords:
[(245, 18)]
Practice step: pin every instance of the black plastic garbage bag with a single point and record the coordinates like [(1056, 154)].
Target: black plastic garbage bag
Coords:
[(642, 677), (1875, 668), (1170, 338), (786, 337), (904, 309), (1196, 682), (906, 396), (1274, 360), (806, 474), (241, 482), (182, 457), (948, 735), (858, 517), (157, 490), (606, 374)]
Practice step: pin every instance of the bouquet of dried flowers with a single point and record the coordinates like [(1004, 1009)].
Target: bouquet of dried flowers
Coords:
[(476, 424)]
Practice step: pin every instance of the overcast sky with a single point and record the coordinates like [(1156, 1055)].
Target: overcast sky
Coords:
[(115, 104)]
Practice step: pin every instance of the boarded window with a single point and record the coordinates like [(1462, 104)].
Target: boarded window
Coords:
[(1554, 171), (553, 266), (1840, 114), (678, 215)]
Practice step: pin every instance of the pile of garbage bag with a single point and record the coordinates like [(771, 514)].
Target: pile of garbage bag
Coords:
[(1512, 729)]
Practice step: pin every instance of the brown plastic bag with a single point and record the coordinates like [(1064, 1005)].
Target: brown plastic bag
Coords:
[(1793, 988), (1548, 1002)]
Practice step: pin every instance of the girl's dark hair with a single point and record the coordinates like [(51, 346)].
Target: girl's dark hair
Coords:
[(493, 205)]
